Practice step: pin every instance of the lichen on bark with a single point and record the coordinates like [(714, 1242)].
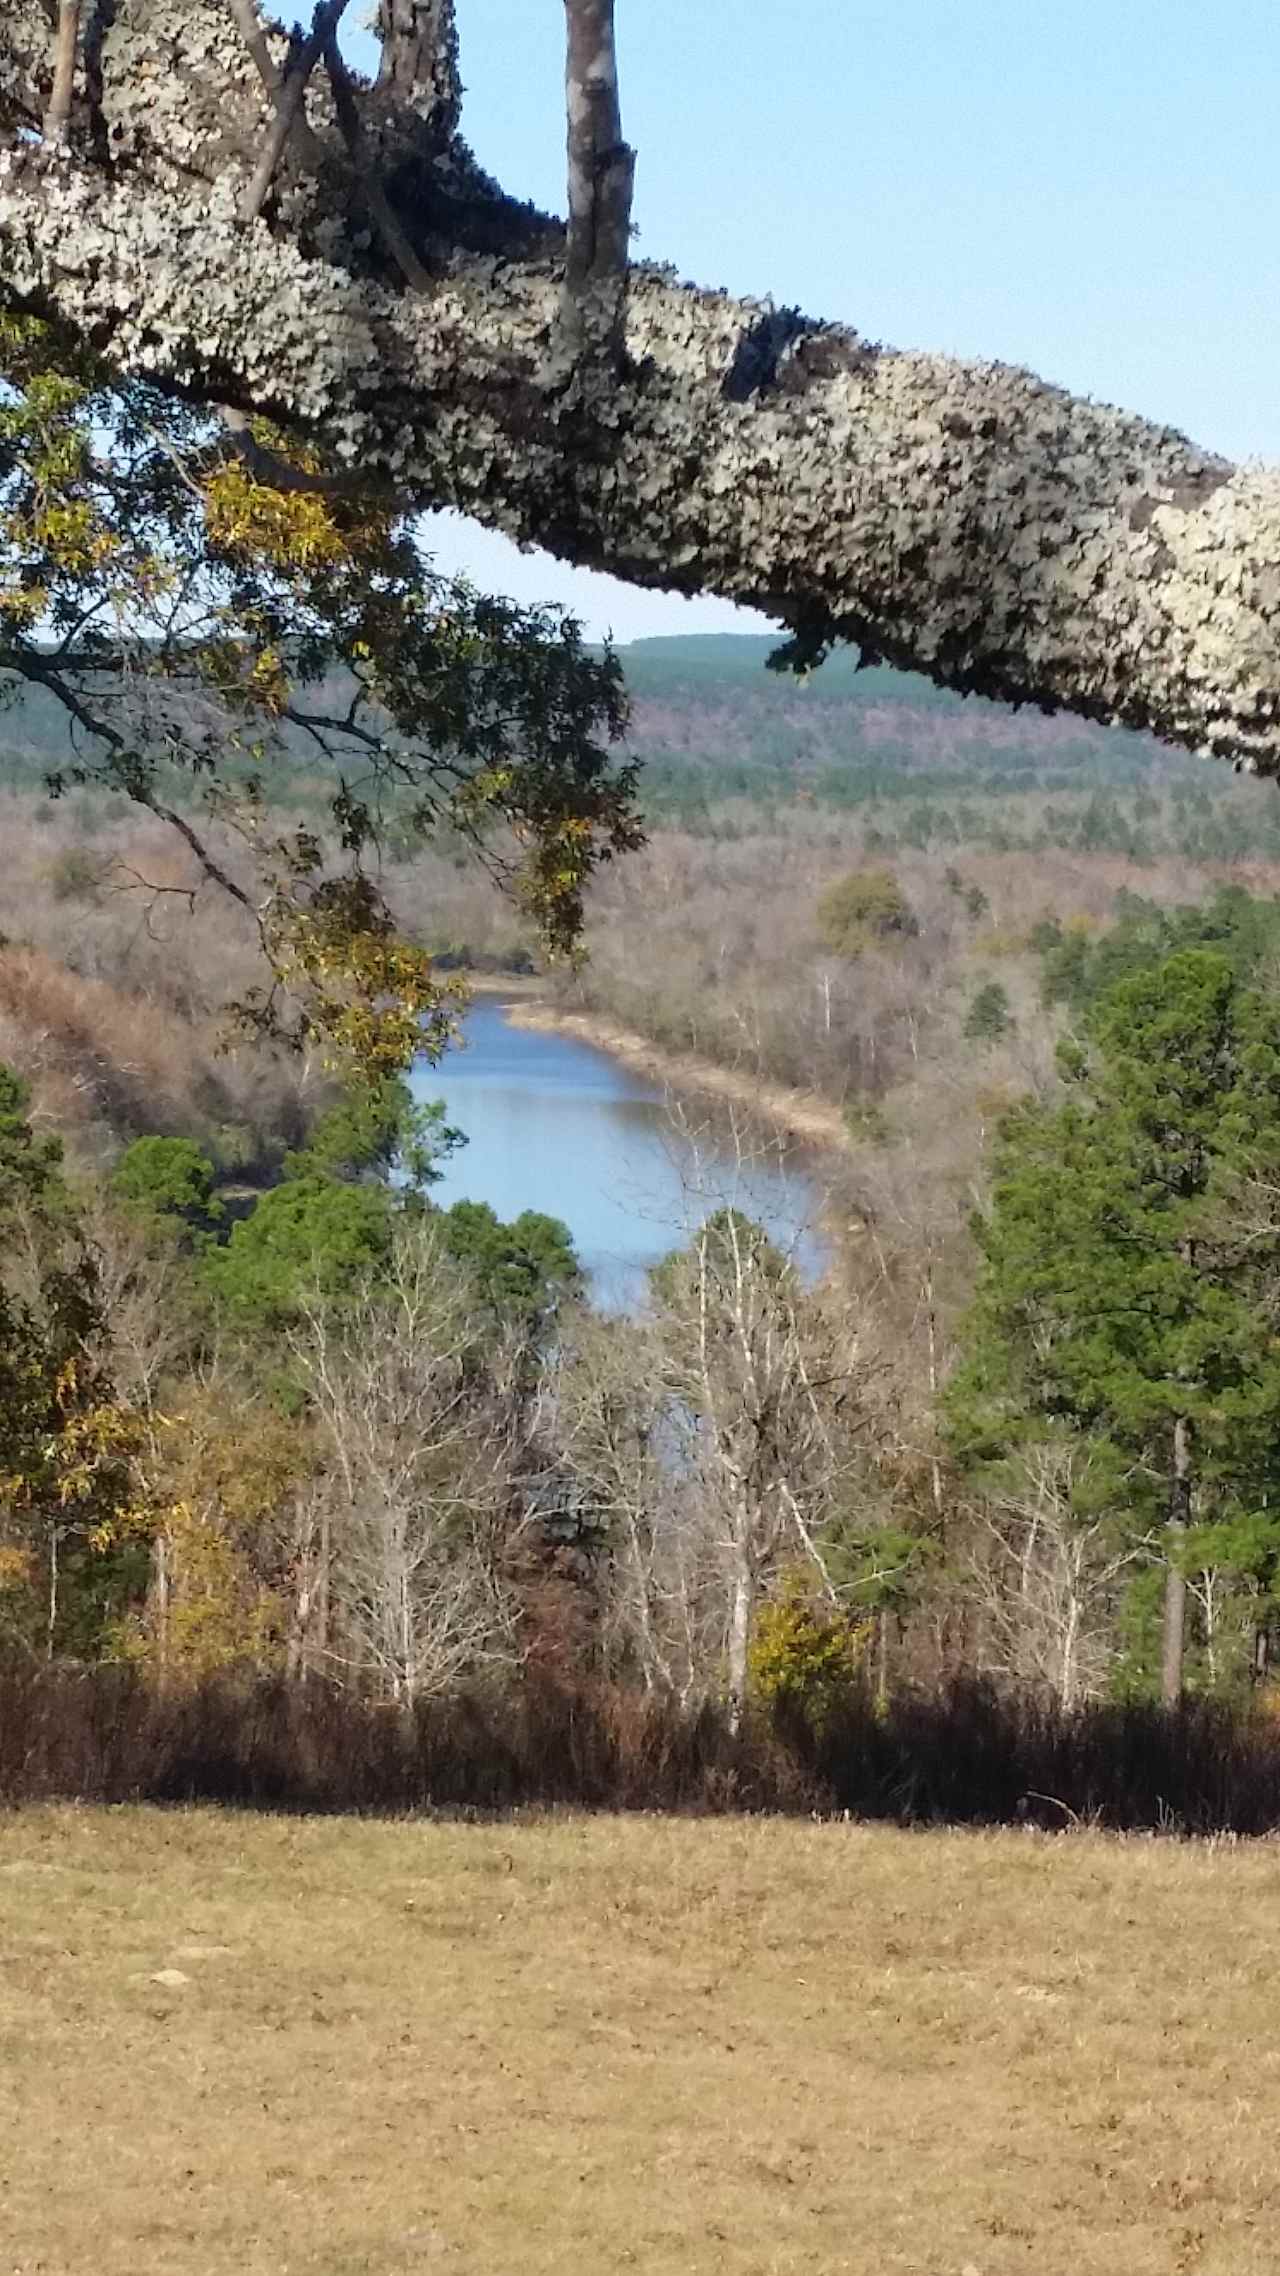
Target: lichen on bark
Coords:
[(960, 518)]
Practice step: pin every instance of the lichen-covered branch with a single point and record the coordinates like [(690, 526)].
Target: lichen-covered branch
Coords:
[(418, 66), (962, 519)]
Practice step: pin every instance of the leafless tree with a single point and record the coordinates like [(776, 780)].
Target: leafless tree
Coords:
[(1045, 1577), (416, 1410)]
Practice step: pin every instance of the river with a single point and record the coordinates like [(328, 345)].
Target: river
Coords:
[(555, 1125)]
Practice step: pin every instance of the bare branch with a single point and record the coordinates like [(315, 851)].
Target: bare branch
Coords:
[(57, 119), (292, 88), (277, 473), (249, 25), (375, 197), (601, 182)]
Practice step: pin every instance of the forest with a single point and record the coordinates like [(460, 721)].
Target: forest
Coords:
[(273, 1416)]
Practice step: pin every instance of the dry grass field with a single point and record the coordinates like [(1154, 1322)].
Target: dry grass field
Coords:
[(344, 2048)]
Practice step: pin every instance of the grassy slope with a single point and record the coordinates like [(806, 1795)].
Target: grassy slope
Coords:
[(670, 2046)]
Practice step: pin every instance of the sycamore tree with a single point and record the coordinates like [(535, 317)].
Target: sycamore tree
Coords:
[(270, 665), (235, 220), (1127, 1300)]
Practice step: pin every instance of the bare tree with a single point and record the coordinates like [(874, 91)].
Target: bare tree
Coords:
[(766, 1393), (1045, 1577), (416, 1409), (197, 192), (606, 1411)]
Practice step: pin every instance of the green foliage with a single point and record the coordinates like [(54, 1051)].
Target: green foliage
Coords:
[(523, 1269), (1129, 1263), (1078, 967), (805, 1654), (377, 1130), (864, 908), (989, 1017), (729, 1253), (168, 1179), (31, 1178), (313, 1235), (69, 1497)]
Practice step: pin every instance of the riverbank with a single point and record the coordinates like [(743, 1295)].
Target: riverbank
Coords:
[(810, 1120)]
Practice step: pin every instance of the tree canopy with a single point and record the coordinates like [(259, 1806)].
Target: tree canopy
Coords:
[(216, 640)]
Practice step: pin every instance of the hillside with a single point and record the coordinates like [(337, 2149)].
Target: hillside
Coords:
[(919, 768), (924, 768)]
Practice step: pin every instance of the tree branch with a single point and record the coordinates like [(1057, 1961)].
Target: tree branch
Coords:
[(43, 674), (347, 112), (57, 119), (250, 27), (961, 519), (288, 103), (419, 61), (601, 183)]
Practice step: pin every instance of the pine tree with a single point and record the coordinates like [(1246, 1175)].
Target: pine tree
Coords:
[(1124, 1291)]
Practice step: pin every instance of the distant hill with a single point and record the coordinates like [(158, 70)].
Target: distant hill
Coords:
[(718, 731)]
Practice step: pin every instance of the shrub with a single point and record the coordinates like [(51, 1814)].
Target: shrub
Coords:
[(804, 1654), (865, 907)]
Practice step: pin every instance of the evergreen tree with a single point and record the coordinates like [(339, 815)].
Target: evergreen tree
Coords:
[(1122, 1292), (989, 1016)]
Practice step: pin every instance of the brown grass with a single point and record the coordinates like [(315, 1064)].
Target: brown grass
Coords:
[(671, 2046)]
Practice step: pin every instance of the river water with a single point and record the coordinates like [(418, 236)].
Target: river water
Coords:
[(555, 1125)]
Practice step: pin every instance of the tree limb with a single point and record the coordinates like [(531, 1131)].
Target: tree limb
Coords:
[(382, 213), (57, 119), (249, 24), (419, 61), (290, 91), (601, 181), (961, 519)]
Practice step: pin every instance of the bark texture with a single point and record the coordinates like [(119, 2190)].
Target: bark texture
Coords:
[(962, 519), (601, 179)]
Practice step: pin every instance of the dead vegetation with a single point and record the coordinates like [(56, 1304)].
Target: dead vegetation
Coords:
[(360, 2049)]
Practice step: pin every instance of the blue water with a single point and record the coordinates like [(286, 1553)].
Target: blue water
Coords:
[(554, 1125)]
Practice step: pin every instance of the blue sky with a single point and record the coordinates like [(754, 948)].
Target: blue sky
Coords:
[(1089, 187)]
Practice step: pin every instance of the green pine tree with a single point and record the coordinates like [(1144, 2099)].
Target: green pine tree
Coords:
[(1127, 1290)]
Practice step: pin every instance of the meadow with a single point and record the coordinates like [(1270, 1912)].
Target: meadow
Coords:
[(248, 2043)]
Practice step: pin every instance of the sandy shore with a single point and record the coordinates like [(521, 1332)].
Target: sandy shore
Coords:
[(813, 1121)]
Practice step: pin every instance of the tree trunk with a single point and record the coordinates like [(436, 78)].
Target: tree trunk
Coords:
[(160, 1591), (51, 1608), (742, 1606), (1175, 1587), (962, 519)]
